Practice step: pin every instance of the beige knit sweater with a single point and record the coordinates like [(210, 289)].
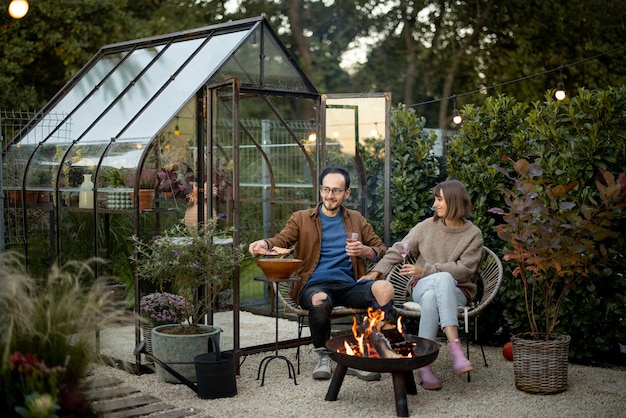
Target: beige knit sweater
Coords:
[(440, 248)]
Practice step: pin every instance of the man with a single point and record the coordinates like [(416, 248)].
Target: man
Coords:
[(332, 267)]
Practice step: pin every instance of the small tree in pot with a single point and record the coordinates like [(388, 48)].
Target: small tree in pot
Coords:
[(554, 244), (196, 265), (189, 261)]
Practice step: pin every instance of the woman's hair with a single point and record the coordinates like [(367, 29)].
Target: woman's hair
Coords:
[(456, 197), (336, 170)]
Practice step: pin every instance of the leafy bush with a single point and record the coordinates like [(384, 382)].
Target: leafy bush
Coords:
[(571, 141), (414, 173)]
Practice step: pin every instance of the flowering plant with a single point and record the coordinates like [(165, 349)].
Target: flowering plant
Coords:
[(188, 258), (35, 385), (164, 308), (46, 343)]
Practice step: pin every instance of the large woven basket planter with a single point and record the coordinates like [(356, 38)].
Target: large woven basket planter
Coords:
[(540, 366)]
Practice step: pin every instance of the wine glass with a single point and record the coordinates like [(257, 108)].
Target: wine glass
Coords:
[(352, 237), (403, 249)]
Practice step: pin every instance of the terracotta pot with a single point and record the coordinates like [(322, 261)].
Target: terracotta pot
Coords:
[(191, 215), (15, 196), (146, 196)]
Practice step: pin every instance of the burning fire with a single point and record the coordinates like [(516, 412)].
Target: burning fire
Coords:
[(373, 338)]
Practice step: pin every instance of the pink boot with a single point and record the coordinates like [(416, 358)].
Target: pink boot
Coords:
[(428, 379), (460, 363)]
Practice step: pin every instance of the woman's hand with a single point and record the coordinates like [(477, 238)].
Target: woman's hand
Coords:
[(411, 270)]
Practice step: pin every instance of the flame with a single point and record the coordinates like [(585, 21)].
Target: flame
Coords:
[(373, 322)]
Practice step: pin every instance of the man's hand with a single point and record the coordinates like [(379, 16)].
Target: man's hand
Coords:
[(374, 275), (259, 248)]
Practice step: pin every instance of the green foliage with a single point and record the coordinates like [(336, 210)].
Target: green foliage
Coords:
[(553, 242), (414, 172), (187, 258), (49, 322), (489, 132), (571, 141)]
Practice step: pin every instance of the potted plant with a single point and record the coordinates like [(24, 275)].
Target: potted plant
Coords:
[(554, 244), (113, 178), (189, 262), (148, 182), (162, 308), (176, 180)]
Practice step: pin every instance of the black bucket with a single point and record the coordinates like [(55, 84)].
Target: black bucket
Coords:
[(215, 372)]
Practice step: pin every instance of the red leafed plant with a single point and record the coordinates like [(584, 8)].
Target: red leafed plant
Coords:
[(554, 242)]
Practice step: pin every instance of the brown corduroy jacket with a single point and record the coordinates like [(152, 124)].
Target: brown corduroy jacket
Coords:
[(304, 229)]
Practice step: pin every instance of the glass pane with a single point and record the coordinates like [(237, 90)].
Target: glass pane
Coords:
[(133, 100), (109, 92), (184, 86), (79, 91), (350, 120), (278, 70)]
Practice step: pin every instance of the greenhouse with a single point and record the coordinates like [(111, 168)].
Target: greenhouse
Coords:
[(225, 103)]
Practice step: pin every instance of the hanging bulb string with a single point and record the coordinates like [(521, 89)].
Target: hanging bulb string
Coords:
[(517, 80)]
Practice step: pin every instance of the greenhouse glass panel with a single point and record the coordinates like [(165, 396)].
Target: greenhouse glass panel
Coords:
[(184, 85), (68, 103), (107, 93)]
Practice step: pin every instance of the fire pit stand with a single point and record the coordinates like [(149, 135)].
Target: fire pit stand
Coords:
[(401, 369)]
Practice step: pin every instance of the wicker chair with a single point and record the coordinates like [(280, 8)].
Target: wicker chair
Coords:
[(292, 306), (489, 277)]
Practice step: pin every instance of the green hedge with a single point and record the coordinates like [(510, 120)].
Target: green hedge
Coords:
[(570, 140)]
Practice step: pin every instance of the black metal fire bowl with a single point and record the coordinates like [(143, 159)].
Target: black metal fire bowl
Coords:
[(401, 369), (424, 352)]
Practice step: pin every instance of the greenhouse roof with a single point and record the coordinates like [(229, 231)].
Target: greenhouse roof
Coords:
[(128, 92)]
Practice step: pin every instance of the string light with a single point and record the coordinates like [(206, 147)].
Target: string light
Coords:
[(18, 9), (559, 94), (517, 80), (456, 116), (176, 129)]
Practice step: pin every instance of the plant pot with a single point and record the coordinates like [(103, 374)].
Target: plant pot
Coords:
[(540, 366), (146, 196), (191, 215), (15, 196), (179, 351)]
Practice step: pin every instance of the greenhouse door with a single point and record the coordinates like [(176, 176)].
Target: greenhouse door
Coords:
[(349, 122), (221, 113)]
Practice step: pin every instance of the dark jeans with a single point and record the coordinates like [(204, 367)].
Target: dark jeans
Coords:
[(356, 295)]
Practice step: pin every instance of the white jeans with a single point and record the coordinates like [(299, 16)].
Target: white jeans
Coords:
[(439, 298)]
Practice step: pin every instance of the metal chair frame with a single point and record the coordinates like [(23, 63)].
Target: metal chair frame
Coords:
[(489, 274)]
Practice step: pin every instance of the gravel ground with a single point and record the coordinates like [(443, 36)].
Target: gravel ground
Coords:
[(592, 391)]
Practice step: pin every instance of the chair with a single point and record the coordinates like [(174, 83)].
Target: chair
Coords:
[(292, 306), (489, 278)]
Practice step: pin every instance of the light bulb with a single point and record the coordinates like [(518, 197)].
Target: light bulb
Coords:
[(176, 131), (560, 91), (18, 9), (456, 117)]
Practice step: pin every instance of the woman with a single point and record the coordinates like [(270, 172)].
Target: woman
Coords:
[(448, 248)]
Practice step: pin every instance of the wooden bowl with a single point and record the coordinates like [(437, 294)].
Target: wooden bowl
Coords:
[(278, 268)]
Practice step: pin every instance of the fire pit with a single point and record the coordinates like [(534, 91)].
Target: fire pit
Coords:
[(423, 352)]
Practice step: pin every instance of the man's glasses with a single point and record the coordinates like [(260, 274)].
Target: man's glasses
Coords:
[(326, 190)]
